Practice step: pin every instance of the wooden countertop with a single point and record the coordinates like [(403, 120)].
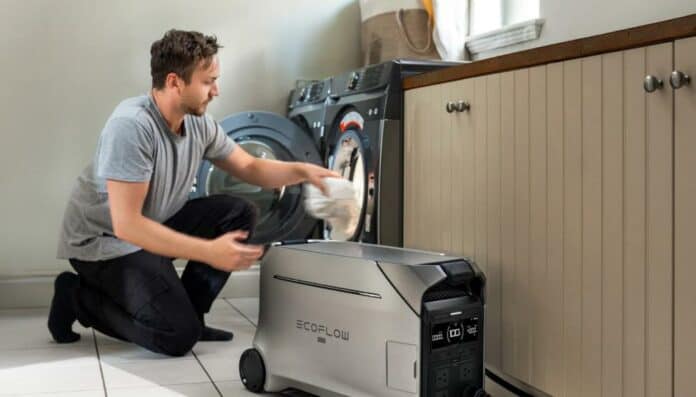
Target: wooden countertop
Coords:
[(640, 36)]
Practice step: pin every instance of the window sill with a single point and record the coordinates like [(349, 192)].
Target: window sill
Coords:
[(503, 37)]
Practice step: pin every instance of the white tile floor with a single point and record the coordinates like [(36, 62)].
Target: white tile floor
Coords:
[(31, 364)]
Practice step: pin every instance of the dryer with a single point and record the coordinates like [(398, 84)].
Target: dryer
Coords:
[(364, 135)]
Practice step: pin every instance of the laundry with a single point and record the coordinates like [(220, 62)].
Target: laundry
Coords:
[(341, 208)]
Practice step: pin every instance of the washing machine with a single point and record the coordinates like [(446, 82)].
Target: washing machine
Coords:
[(364, 143), (277, 137), (306, 108)]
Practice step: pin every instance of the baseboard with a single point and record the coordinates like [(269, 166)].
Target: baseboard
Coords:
[(37, 291)]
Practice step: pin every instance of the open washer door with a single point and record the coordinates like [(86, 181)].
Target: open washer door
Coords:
[(350, 158), (270, 136)]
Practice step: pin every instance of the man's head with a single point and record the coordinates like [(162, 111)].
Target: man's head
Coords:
[(184, 65)]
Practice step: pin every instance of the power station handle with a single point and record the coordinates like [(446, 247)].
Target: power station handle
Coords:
[(679, 79)]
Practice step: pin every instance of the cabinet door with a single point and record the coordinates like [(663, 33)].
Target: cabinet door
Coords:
[(453, 182), (685, 221), (586, 225), (559, 183), (425, 124), (439, 170), (609, 236)]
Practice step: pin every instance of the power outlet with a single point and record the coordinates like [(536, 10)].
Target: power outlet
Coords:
[(441, 378)]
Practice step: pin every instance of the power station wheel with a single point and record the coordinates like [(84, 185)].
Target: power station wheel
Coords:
[(252, 371)]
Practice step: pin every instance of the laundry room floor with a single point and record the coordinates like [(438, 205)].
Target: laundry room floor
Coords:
[(31, 364)]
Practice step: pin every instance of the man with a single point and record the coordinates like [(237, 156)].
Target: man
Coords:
[(128, 214)]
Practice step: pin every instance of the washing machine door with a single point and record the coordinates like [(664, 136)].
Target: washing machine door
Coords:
[(350, 158), (269, 136)]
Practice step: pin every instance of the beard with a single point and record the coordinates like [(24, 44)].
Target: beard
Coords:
[(195, 110), (199, 111)]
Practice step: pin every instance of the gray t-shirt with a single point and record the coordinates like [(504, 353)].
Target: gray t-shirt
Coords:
[(136, 145)]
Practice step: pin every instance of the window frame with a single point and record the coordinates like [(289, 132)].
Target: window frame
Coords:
[(507, 34)]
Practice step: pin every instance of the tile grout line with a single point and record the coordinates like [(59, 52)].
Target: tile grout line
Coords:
[(96, 343), (206, 373), (174, 384), (239, 311), (101, 371), (199, 361)]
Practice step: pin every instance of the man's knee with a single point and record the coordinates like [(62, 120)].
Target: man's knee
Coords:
[(181, 339), (173, 321)]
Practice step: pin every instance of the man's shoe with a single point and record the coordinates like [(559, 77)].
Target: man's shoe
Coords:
[(62, 314), (214, 334)]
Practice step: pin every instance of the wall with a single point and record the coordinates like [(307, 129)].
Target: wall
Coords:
[(571, 19), (66, 64)]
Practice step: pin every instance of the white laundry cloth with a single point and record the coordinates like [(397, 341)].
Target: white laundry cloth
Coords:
[(340, 208), (449, 33)]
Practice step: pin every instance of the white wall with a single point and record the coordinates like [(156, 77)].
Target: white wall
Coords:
[(66, 64), (573, 19)]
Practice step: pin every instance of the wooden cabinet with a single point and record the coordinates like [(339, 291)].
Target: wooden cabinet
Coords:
[(685, 222), (560, 182)]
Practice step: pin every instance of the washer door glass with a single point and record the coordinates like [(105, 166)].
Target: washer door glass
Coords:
[(267, 200), (281, 215), (348, 160)]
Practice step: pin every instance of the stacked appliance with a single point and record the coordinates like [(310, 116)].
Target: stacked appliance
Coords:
[(364, 143), (351, 123)]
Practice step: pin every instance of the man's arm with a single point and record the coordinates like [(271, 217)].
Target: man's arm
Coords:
[(272, 173), (126, 202)]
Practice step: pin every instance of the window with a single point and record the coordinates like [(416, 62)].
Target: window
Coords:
[(495, 24), (488, 15)]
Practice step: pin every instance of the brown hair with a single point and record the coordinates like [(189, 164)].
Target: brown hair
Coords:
[(180, 52)]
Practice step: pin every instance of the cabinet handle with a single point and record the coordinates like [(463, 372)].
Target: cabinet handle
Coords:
[(463, 106), (450, 107), (652, 83), (679, 79)]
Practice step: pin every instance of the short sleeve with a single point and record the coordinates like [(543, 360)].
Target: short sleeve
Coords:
[(219, 144), (125, 152)]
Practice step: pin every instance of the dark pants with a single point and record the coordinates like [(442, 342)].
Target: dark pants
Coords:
[(140, 298)]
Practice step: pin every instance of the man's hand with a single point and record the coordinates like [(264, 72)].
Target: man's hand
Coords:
[(315, 174), (229, 253)]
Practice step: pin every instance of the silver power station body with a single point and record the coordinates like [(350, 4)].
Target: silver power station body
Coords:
[(355, 319)]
